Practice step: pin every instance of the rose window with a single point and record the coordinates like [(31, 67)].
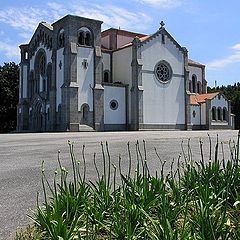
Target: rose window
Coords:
[(163, 71)]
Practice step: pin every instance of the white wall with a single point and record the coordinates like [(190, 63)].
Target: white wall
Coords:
[(85, 77), (25, 83), (122, 71), (222, 102), (163, 103), (117, 116), (106, 61), (195, 120), (59, 76), (48, 56)]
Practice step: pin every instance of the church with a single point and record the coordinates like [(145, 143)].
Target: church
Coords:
[(75, 77)]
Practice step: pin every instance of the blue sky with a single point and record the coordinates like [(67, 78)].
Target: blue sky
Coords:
[(209, 29)]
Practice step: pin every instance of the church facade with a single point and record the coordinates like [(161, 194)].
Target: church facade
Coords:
[(73, 77)]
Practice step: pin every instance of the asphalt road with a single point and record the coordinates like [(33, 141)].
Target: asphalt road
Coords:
[(21, 156)]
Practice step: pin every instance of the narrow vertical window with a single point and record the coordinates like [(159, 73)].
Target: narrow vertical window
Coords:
[(194, 82)]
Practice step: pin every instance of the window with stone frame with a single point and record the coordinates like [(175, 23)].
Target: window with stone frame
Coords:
[(214, 117), (199, 87), (219, 114), (190, 86), (42, 64), (84, 37), (106, 76), (194, 83), (163, 71), (61, 39), (224, 114)]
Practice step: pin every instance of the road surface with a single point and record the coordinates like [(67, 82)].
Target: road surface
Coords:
[(21, 156)]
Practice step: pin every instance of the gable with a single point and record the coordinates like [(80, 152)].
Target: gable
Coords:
[(161, 46)]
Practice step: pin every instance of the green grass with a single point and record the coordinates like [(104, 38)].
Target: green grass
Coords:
[(197, 200)]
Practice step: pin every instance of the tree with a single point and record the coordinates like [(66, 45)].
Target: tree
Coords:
[(9, 82)]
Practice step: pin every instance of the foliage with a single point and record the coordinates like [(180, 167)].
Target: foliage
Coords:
[(232, 92), (198, 200), (9, 81)]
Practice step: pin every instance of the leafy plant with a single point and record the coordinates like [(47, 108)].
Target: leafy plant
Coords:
[(195, 200)]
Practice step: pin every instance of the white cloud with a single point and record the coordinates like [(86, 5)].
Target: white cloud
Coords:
[(162, 3), (236, 47), (10, 50), (231, 59), (25, 20)]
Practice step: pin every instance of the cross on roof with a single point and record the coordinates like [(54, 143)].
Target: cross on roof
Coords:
[(162, 24)]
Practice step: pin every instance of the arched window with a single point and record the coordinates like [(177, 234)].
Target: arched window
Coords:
[(224, 114), (42, 64), (49, 78), (40, 71), (213, 113), (199, 88), (61, 39), (85, 111), (190, 86), (84, 36), (106, 77), (194, 83), (88, 39), (219, 114), (81, 38)]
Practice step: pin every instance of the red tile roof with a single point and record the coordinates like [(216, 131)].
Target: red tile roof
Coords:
[(194, 63), (122, 32), (195, 99)]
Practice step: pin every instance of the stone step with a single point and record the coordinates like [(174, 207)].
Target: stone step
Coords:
[(85, 128)]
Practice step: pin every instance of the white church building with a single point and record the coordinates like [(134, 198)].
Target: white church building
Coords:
[(73, 77)]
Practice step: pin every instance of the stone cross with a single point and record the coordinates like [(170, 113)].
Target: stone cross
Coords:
[(162, 24)]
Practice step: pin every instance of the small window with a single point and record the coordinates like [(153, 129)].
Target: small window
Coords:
[(61, 39), (81, 38), (224, 114), (84, 37), (194, 83), (88, 39), (26, 55), (85, 112), (199, 87), (213, 113), (194, 113), (190, 86), (219, 113), (106, 77), (114, 104)]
